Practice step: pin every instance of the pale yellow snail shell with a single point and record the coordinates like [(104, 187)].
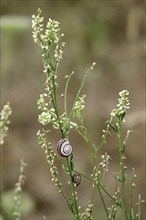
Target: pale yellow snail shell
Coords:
[(64, 148), (76, 178)]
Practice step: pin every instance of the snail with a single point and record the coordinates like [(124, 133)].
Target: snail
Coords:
[(64, 148), (76, 178)]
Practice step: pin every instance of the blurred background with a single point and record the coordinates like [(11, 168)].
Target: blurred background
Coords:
[(110, 33)]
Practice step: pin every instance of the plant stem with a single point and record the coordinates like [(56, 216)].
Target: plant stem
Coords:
[(91, 179), (122, 157), (103, 202), (1, 183), (1, 187), (87, 138), (139, 201), (65, 94), (105, 136), (55, 104), (79, 91), (73, 190), (2, 211), (131, 195)]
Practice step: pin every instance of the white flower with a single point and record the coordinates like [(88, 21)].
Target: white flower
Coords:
[(45, 118), (105, 161), (4, 121), (37, 28), (123, 105), (79, 107)]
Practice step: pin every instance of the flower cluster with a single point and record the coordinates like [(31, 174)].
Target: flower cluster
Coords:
[(115, 201), (79, 107), (37, 26), (88, 212), (123, 105), (105, 133), (105, 161), (42, 104), (64, 120), (4, 121), (50, 156), (51, 36), (95, 176), (18, 190), (48, 115)]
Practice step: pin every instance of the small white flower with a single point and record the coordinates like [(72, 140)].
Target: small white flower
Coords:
[(122, 106), (4, 121)]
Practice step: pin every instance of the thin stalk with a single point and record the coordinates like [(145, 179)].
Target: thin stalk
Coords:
[(87, 138), (105, 136), (73, 189), (91, 179), (65, 94), (68, 159), (53, 95), (103, 202), (139, 212), (131, 196), (122, 157), (1, 184), (55, 104), (79, 91)]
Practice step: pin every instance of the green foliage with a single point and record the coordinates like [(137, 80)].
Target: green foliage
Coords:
[(50, 42), (26, 206), (14, 25)]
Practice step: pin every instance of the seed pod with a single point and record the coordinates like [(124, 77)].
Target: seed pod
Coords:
[(64, 148), (76, 178)]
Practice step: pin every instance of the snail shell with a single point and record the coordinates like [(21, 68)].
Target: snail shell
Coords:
[(64, 148), (76, 178)]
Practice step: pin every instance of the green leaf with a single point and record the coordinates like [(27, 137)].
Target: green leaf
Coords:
[(115, 128), (121, 115), (27, 203), (71, 206), (53, 66)]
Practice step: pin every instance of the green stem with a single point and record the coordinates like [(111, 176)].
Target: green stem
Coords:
[(131, 195), (55, 104), (54, 101), (65, 94), (78, 93), (73, 190), (105, 136), (1, 187), (122, 157), (103, 202), (87, 138), (139, 201), (91, 179), (1, 183)]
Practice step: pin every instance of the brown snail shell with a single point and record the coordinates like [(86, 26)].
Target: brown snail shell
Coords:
[(64, 148), (76, 178)]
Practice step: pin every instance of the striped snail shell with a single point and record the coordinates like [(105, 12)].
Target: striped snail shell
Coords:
[(76, 178), (64, 148)]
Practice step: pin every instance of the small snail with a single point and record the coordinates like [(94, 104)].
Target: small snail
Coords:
[(76, 178), (64, 148)]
